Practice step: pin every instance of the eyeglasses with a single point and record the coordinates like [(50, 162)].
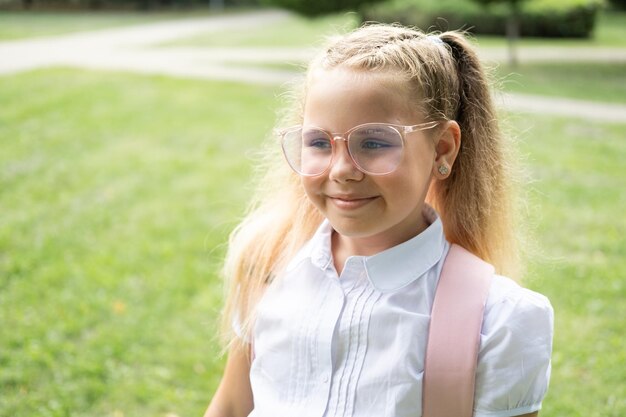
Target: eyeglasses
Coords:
[(375, 148)]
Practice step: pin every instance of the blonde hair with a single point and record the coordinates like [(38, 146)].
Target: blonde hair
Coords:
[(474, 202)]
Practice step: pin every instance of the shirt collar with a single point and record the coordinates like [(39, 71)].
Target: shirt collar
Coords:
[(393, 268)]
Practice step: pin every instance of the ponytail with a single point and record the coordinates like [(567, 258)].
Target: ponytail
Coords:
[(475, 201)]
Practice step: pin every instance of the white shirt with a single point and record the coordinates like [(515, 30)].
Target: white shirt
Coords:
[(329, 346)]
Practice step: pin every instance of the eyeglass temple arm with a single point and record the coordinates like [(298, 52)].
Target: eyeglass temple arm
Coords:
[(421, 126)]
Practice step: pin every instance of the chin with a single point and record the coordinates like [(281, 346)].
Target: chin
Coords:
[(352, 229)]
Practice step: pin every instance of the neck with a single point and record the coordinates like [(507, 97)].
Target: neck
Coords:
[(345, 246)]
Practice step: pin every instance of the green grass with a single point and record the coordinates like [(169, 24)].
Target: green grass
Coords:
[(577, 206), (610, 29), (117, 193), (604, 82), (295, 31), (29, 24)]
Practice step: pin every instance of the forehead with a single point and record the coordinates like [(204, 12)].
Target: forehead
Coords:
[(340, 98)]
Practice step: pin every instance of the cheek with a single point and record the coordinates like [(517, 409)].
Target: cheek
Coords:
[(312, 187), (421, 163), (409, 183)]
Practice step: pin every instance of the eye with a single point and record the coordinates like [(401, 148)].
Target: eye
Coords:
[(373, 143), (320, 143), (316, 139), (375, 139)]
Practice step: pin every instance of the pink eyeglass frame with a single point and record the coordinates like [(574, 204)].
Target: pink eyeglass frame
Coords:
[(401, 129)]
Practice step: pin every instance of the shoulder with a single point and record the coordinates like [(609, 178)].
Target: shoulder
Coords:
[(513, 306), (514, 367)]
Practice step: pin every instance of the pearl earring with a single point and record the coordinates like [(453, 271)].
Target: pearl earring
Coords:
[(443, 169)]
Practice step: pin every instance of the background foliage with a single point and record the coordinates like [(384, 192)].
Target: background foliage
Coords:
[(318, 7), (544, 18), (541, 18)]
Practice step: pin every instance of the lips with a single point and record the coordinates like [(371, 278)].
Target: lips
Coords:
[(349, 202)]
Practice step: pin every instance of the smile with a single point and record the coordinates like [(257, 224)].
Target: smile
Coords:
[(351, 203)]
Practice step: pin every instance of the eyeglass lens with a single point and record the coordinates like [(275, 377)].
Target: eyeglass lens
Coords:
[(375, 149)]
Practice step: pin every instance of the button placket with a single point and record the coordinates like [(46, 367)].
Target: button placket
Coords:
[(335, 302)]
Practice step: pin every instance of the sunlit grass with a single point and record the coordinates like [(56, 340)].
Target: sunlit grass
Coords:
[(31, 24), (604, 82), (117, 194), (295, 31), (576, 206)]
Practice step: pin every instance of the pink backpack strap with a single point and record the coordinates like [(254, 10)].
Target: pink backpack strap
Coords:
[(454, 335)]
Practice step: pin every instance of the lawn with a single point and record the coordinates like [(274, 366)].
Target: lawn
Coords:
[(604, 82), (29, 24), (575, 205), (117, 193), (295, 31)]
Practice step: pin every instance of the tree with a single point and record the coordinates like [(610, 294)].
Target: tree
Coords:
[(512, 25), (216, 4)]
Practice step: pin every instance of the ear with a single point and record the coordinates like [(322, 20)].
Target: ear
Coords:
[(447, 144)]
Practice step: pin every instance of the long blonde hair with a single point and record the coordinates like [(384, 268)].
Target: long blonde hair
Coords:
[(474, 202)]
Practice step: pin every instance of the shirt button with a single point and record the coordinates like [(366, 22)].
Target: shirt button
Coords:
[(325, 378)]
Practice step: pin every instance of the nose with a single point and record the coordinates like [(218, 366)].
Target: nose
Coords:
[(342, 166)]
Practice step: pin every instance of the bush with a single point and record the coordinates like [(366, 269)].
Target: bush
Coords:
[(318, 7), (618, 4), (540, 18)]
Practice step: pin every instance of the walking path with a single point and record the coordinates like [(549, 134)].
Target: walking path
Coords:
[(132, 49), (118, 45)]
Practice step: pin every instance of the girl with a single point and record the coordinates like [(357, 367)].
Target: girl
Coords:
[(394, 154)]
